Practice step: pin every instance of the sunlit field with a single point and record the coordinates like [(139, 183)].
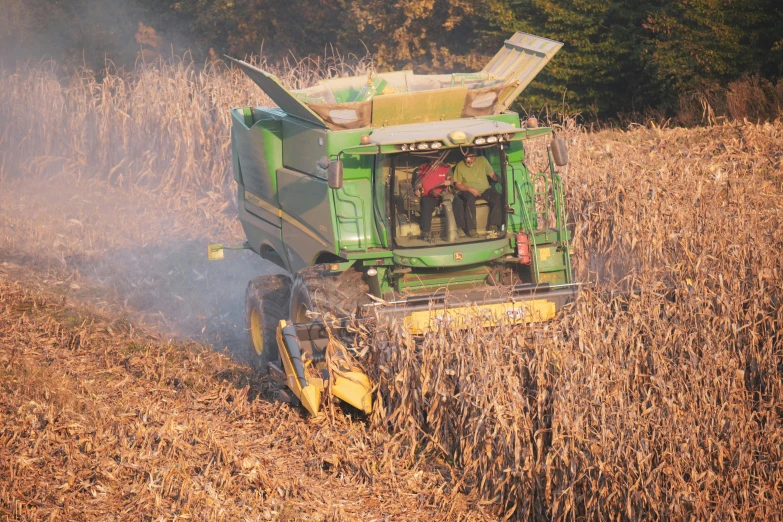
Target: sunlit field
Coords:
[(658, 394)]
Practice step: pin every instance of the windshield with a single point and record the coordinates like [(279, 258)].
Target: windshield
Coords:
[(427, 209)]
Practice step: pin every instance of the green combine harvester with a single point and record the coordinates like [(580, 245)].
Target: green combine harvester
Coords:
[(330, 189)]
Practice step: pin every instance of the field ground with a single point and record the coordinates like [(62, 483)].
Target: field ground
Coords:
[(103, 421), (658, 395), (109, 410)]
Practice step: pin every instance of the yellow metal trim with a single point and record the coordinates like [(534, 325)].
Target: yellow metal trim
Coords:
[(309, 395), (257, 333), (549, 277), (304, 229), (249, 196), (537, 310), (255, 200), (355, 389), (311, 399)]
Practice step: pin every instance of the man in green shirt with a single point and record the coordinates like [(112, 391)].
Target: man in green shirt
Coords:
[(470, 178)]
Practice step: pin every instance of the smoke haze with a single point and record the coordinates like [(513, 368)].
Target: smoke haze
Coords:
[(128, 256), (92, 33), (111, 187)]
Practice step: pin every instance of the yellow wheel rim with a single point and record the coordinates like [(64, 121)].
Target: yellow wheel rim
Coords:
[(301, 314), (257, 332)]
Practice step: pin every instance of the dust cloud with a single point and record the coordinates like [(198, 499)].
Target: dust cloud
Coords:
[(91, 33), (122, 246), (129, 254), (176, 287)]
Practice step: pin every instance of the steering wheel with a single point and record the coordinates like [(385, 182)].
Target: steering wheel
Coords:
[(445, 185)]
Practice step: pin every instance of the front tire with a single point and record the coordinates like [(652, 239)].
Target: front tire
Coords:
[(316, 289), (266, 304)]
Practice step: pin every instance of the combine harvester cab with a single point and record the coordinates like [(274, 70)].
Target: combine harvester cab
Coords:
[(327, 189)]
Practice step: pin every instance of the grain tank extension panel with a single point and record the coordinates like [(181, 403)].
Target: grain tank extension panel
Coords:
[(521, 59), (273, 88), (398, 98)]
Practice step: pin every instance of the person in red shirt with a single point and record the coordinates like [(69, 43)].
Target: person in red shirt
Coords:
[(433, 180)]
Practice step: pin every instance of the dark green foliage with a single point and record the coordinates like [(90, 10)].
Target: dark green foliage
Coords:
[(598, 70), (620, 56), (76, 33), (244, 27), (694, 44)]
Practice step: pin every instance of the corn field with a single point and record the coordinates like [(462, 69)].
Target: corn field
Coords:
[(657, 395)]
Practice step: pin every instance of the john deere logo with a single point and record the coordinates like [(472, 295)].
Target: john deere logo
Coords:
[(457, 256)]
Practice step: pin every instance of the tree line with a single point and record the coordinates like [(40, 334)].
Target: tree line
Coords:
[(619, 57)]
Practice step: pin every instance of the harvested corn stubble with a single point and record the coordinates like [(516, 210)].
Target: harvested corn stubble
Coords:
[(657, 395), (97, 422)]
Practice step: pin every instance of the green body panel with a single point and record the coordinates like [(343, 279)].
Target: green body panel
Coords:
[(550, 236), (444, 278), (307, 225), (450, 256), (550, 258), (353, 216), (508, 117), (517, 181), (265, 238), (304, 145), (257, 152), (339, 141), (256, 136)]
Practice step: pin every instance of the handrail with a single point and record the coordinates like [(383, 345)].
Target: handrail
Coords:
[(555, 194), (359, 218), (528, 224), (545, 193), (560, 216)]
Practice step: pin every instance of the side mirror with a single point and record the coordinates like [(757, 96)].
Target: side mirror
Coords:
[(335, 174), (559, 152)]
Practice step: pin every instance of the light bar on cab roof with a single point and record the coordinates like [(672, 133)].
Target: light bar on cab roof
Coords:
[(422, 145), (495, 138)]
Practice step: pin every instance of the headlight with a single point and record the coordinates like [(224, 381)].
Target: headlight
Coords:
[(458, 137), (492, 139), (480, 141), (420, 146)]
